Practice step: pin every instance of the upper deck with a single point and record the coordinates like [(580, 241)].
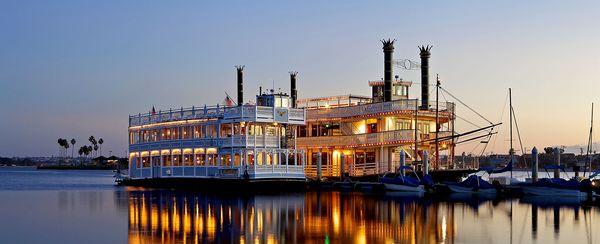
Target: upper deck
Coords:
[(247, 113), (342, 110)]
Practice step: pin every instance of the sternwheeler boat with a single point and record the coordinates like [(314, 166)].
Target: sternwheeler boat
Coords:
[(225, 146)]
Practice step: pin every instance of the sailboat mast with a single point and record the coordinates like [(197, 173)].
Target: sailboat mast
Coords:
[(437, 121), (511, 151), (590, 142)]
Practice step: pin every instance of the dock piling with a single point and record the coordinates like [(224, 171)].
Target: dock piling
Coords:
[(342, 157), (425, 163), (534, 165), (319, 163), (557, 155), (402, 161)]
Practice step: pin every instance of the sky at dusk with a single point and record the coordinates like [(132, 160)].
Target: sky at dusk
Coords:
[(73, 69)]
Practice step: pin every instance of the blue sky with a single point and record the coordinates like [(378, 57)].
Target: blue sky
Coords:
[(77, 68)]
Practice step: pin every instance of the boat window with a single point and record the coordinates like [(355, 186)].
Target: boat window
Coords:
[(285, 102), (211, 131), (154, 136), (198, 131), (226, 130), (402, 124), (166, 158), (278, 101), (360, 157), (145, 159), (177, 160), (211, 159), (301, 131), (259, 158), (271, 130), (237, 159), (187, 132), (188, 157), (200, 156), (250, 158), (225, 159), (370, 157)]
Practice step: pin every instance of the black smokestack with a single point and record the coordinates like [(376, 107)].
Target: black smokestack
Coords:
[(294, 92), (425, 54), (388, 52), (240, 84)]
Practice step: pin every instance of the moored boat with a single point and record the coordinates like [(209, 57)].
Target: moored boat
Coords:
[(473, 184), (556, 187), (406, 183)]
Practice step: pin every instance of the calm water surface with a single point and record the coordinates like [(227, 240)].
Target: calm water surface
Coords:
[(86, 207)]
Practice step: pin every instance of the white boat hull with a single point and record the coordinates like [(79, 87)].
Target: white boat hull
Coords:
[(551, 191), (397, 187), (460, 189)]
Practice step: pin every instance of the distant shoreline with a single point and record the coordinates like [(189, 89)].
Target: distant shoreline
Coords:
[(74, 167)]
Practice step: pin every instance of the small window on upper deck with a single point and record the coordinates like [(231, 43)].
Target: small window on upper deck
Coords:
[(277, 101), (285, 102)]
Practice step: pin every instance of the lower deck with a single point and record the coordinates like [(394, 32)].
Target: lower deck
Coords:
[(365, 161), (223, 172), (226, 163)]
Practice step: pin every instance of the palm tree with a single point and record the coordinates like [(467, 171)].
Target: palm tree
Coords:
[(59, 146), (63, 143), (85, 150), (80, 154), (96, 149), (100, 141), (73, 144), (93, 141)]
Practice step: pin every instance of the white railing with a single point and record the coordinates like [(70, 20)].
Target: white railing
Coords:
[(311, 171), (248, 112), (374, 108), (359, 139), (242, 141), (266, 169)]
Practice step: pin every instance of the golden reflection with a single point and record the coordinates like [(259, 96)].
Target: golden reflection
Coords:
[(166, 216)]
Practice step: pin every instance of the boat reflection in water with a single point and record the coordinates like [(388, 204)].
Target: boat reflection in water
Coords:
[(166, 216), (317, 217)]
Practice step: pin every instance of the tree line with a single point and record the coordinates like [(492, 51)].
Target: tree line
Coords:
[(95, 149)]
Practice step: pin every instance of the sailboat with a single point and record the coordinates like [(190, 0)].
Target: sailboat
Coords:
[(553, 186), (474, 183), (558, 186), (406, 183)]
